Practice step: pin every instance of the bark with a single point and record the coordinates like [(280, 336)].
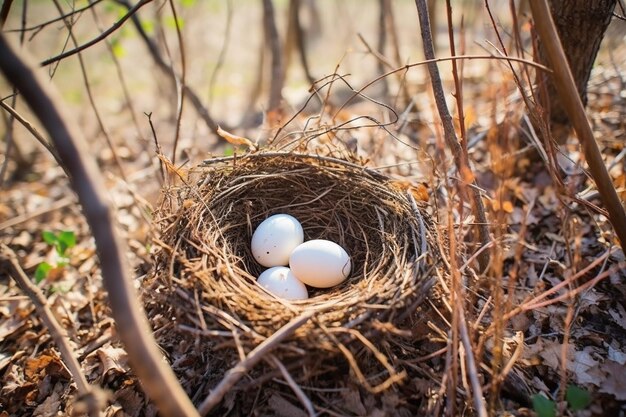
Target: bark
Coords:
[(581, 25)]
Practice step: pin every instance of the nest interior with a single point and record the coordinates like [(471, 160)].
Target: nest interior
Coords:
[(201, 294)]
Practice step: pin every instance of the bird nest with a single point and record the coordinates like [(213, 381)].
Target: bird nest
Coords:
[(209, 314)]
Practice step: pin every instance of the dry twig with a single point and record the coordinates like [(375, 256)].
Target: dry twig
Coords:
[(158, 379), (93, 398), (460, 158), (243, 367), (98, 38)]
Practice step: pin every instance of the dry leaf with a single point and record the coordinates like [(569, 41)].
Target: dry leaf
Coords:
[(615, 382), (49, 407), (352, 402), (284, 408), (113, 360), (236, 140)]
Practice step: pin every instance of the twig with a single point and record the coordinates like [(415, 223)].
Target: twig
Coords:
[(299, 38), (57, 205), (40, 26), (119, 71), (58, 333), (477, 392), (460, 158), (180, 82), (157, 148), (293, 385), (32, 129), (223, 49), (169, 70), (92, 100), (156, 377), (256, 355), (102, 36), (568, 93), (4, 12)]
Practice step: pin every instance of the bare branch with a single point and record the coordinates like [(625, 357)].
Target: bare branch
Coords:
[(254, 357), (169, 70), (460, 158), (156, 377), (572, 103), (97, 39), (90, 393), (180, 82), (40, 26)]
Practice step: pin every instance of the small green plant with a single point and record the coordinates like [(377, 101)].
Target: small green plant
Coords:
[(544, 407), (576, 397), (62, 242)]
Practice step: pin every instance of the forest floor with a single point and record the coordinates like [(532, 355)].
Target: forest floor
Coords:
[(566, 349)]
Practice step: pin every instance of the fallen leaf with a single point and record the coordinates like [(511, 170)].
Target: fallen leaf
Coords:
[(352, 402), (619, 316), (235, 140), (617, 356), (615, 382), (50, 407), (113, 359), (284, 408)]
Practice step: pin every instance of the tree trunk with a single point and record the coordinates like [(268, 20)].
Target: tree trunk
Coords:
[(581, 25)]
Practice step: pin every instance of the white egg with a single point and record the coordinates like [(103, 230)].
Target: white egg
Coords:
[(275, 238), (281, 282), (320, 263)]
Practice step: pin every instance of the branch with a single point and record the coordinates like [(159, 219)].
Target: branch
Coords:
[(156, 377), (568, 93), (180, 82), (169, 70), (33, 131), (97, 39), (58, 334), (243, 367), (460, 158)]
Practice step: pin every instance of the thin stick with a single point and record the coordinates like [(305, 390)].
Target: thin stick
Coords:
[(92, 100), (222, 55), (477, 392), (460, 158), (568, 93), (57, 205), (32, 129), (99, 38), (120, 73), (180, 82), (39, 27), (256, 355), (169, 70), (308, 406), (156, 377), (58, 333)]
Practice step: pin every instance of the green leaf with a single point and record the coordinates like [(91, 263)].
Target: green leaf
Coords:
[(543, 406), (188, 3), (577, 398), (66, 240), (42, 271), (49, 237)]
